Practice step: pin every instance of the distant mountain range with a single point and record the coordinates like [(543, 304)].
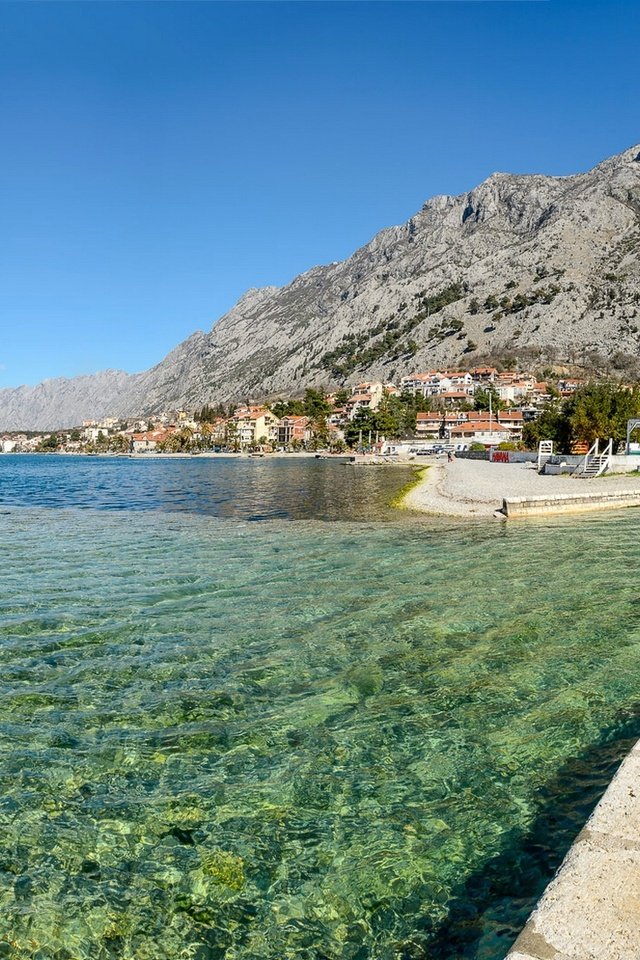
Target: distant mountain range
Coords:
[(534, 266)]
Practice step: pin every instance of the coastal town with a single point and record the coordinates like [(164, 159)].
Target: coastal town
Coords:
[(320, 481), (439, 410)]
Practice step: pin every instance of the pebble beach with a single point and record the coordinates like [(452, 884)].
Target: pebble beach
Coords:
[(476, 488)]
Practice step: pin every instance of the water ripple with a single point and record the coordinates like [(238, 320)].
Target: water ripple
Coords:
[(233, 740)]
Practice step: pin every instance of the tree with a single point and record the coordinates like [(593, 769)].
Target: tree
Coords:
[(364, 421), (206, 415), (206, 431), (396, 416), (170, 444), (178, 442), (601, 410), (231, 438), (287, 408), (596, 411), (51, 442), (119, 443), (552, 424), (315, 404), (385, 419), (483, 396), (319, 433)]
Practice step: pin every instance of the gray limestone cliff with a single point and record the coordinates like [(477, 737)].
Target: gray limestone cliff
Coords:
[(524, 265), (63, 402)]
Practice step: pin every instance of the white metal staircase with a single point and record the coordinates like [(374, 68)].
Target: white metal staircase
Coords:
[(595, 462)]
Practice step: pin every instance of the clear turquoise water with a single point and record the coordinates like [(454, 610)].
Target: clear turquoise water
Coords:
[(230, 739)]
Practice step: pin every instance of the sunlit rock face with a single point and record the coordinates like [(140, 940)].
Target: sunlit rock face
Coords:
[(63, 402), (537, 267)]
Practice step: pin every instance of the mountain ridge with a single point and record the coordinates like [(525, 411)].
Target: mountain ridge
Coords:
[(556, 259)]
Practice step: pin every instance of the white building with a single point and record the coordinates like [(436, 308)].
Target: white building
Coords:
[(435, 383), (367, 396), (487, 432)]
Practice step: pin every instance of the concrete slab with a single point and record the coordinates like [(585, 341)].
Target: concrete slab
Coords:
[(570, 503), (591, 909)]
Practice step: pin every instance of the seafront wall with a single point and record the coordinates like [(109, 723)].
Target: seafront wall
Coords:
[(569, 502), (591, 909), (498, 456)]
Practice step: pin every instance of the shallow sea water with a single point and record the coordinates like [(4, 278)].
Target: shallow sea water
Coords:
[(232, 739)]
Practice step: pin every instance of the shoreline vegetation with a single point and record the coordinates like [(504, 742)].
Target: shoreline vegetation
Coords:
[(417, 478)]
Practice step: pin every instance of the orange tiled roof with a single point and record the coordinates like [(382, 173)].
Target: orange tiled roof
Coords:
[(436, 418), (510, 415), (480, 426)]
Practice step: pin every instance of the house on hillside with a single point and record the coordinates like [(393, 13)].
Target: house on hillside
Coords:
[(438, 383), (436, 426), (146, 442), (484, 375), (293, 428), (365, 396), (513, 420), (566, 387), (255, 424), (452, 398), (487, 432)]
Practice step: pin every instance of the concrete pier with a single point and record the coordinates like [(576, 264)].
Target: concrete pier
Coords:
[(570, 503), (591, 909)]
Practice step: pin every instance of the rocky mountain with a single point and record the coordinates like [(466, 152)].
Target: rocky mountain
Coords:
[(63, 402), (546, 268)]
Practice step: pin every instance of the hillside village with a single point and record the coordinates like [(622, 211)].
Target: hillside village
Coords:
[(481, 407)]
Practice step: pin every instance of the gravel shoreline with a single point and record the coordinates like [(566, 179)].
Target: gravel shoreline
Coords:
[(476, 488)]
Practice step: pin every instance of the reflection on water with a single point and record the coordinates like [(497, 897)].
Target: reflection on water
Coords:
[(235, 740), (248, 488)]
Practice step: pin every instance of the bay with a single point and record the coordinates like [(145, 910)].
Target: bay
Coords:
[(232, 728)]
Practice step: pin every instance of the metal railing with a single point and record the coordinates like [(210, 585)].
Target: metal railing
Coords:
[(602, 459)]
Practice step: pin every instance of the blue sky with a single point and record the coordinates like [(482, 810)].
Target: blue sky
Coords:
[(160, 158)]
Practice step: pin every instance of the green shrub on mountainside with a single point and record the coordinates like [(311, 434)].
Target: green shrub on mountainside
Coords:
[(358, 350)]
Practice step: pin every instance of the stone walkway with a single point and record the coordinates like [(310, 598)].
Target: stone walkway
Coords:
[(591, 910)]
